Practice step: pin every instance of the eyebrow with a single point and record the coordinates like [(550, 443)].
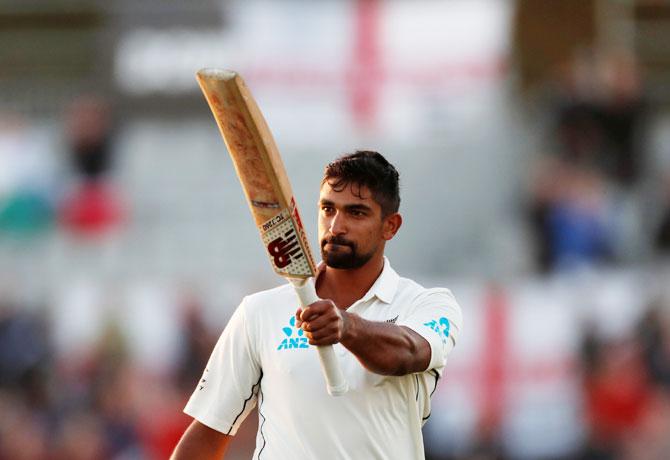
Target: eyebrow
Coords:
[(357, 207), (347, 207)]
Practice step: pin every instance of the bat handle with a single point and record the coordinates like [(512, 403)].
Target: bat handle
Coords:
[(335, 381)]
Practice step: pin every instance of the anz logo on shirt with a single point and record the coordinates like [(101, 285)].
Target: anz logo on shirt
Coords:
[(441, 326), (294, 337)]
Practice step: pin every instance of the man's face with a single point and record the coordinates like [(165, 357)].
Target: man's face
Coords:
[(351, 228)]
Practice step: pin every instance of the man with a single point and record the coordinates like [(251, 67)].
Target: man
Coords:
[(391, 336)]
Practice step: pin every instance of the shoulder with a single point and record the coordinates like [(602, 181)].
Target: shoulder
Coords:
[(418, 294), (274, 298), (430, 310), (416, 298)]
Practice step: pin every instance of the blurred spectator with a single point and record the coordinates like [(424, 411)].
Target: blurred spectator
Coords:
[(115, 404), (25, 213), (197, 345), (80, 437), (26, 203), (600, 115), (650, 437), (571, 216), (93, 205), (487, 445), (651, 440), (654, 335), (25, 355), (617, 395), (662, 236), (623, 118), (23, 433), (113, 390), (161, 420), (90, 132), (545, 190)]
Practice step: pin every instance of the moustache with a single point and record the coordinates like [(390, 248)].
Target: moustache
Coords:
[(337, 240)]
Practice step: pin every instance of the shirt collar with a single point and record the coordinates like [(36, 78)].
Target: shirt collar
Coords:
[(386, 285)]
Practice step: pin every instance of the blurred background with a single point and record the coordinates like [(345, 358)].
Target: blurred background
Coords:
[(533, 142)]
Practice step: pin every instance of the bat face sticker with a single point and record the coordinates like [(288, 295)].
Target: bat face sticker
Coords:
[(283, 248)]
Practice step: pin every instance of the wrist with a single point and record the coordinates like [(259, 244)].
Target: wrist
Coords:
[(348, 328)]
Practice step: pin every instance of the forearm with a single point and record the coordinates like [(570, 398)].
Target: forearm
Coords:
[(201, 442), (385, 348)]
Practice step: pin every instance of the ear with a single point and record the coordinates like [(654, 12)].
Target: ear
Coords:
[(391, 225)]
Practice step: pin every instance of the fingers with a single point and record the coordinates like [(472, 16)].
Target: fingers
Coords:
[(321, 321), (316, 309), (324, 336), (298, 321)]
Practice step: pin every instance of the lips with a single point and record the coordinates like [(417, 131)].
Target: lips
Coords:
[(335, 247), (335, 243)]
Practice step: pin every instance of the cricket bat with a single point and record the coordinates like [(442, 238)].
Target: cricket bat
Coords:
[(268, 191)]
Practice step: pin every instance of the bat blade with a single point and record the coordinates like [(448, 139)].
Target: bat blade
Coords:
[(260, 170)]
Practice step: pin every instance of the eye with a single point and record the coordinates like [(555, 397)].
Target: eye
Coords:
[(359, 213), (326, 209)]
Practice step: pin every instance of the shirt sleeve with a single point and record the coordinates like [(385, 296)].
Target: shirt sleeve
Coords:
[(437, 317), (228, 389)]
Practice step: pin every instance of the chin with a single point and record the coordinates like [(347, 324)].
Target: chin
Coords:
[(344, 262)]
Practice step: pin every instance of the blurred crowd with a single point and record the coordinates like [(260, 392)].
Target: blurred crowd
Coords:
[(600, 197), (100, 402), (96, 403)]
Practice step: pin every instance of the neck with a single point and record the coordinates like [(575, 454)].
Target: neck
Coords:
[(346, 286)]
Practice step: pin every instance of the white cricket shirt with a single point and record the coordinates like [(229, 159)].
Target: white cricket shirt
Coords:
[(262, 358)]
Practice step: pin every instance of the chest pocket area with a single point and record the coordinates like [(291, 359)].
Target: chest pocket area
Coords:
[(292, 352)]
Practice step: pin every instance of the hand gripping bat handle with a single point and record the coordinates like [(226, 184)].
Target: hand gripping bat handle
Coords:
[(337, 386)]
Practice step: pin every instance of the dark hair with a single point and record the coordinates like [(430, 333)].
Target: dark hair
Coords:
[(369, 169)]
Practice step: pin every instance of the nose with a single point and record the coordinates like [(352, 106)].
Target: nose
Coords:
[(337, 224)]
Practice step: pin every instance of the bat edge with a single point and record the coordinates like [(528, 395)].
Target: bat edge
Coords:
[(217, 74)]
